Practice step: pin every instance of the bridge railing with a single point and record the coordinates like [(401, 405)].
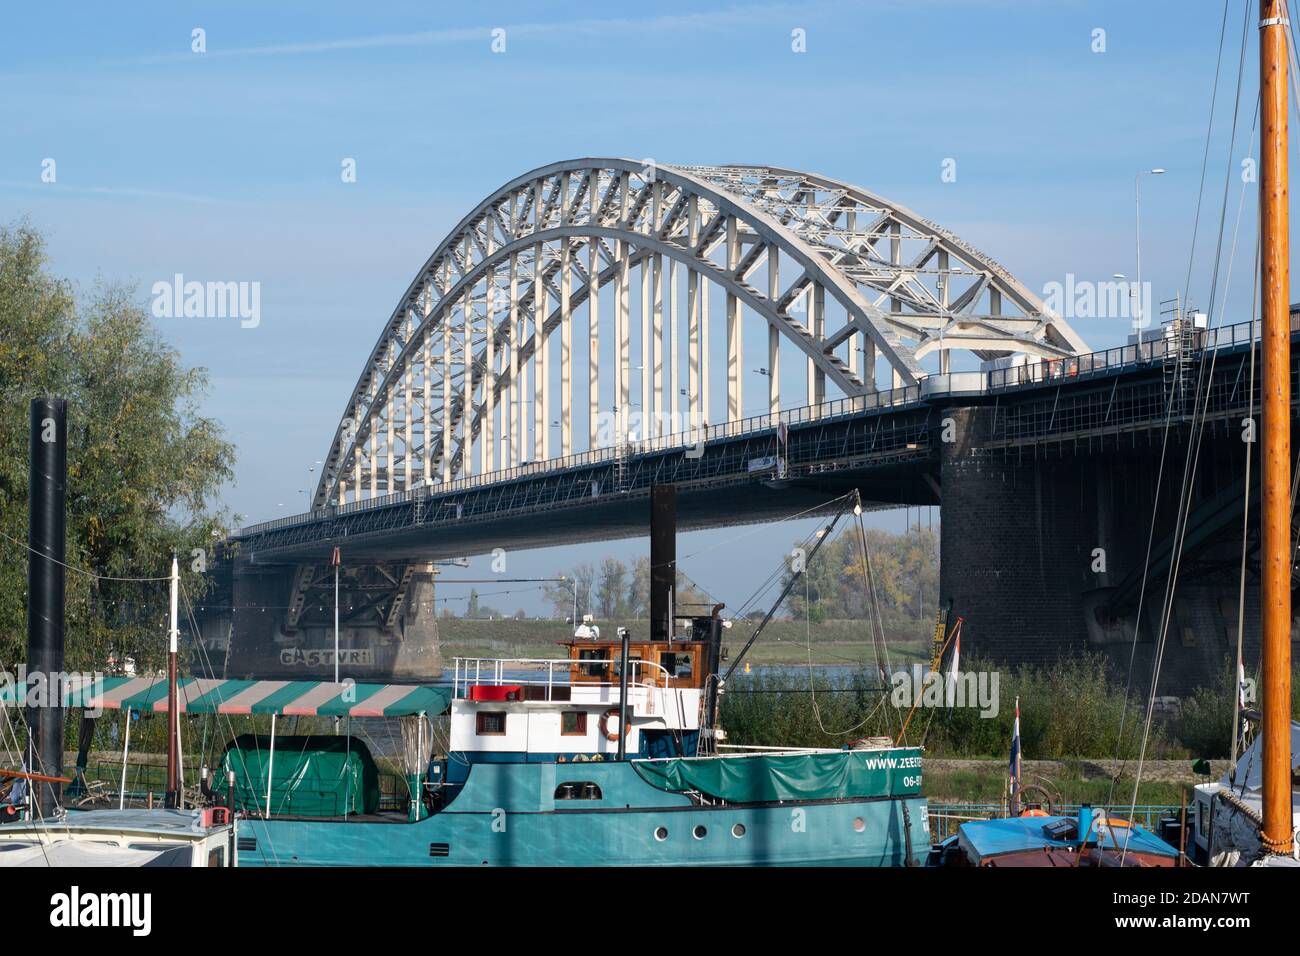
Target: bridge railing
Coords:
[(1122, 356), (702, 434)]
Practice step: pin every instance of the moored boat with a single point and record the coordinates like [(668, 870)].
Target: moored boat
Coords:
[(1037, 839), (122, 838), (596, 760), (1227, 814)]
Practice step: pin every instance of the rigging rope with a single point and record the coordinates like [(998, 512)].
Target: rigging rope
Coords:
[(1197, 425)]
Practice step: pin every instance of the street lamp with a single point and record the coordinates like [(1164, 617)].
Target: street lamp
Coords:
[(311, 470), (1137, 202)]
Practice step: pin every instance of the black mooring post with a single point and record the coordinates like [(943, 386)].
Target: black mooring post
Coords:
[(663, 560), (625, 653), (47, 494)]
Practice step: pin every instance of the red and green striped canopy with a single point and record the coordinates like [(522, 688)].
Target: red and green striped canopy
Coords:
[(291, 698)]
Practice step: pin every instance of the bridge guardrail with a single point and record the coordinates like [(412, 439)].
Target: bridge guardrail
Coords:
[(889, 398), (1121, 356)]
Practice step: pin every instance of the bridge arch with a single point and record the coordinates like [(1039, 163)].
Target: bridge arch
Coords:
[(462, 380)]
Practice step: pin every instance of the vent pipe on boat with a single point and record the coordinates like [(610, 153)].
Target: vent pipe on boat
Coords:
[(47, 497), (1084, 824), (663, 560)]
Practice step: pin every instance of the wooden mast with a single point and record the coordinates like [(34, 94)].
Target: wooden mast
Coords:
[(1275, 346)]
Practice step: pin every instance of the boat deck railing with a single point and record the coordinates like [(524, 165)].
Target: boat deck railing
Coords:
[(146, 785), (549, 673), (946, 818)]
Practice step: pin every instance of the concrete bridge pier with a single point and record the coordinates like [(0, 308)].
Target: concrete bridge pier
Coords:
[(1014, 545), (388, 627), (1043, 551)]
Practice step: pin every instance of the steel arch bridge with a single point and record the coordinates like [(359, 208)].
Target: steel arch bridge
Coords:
[(477, 364)]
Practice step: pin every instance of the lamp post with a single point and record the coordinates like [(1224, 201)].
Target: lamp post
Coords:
[(573, 589), (1137, 202)]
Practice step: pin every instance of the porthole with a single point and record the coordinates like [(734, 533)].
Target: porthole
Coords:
[(859, 824), (700, 832), (738, 830), (661, 833)]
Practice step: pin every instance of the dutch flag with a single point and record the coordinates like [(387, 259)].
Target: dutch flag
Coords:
[(1015, 754)]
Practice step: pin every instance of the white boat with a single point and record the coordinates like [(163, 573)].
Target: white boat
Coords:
[(1227, 814), (122, 838)]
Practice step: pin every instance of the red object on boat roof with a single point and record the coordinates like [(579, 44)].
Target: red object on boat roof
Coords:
[(496, 692)]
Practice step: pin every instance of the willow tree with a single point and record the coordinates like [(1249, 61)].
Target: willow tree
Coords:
[(144, 466)]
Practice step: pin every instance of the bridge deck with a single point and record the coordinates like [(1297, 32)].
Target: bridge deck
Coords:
[(763, 469)]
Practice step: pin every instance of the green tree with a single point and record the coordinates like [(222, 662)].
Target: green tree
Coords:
[(638, 591), (611, 590), (904, 568), (144, 466), (562, 597)]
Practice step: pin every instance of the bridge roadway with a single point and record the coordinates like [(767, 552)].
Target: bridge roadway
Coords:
[(887, 445)]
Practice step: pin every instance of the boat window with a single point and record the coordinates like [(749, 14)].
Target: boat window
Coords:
[(217, 856), (172, 855), (634, 672), (573, 723), (599, 658), (677, 664), (578, 790), (6, 847), (490, 723)]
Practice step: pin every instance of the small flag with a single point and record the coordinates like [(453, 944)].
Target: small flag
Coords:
[(336, 560), (1015, 762), (952, 670)]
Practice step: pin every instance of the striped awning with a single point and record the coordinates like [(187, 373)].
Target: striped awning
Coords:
[(292, 698)]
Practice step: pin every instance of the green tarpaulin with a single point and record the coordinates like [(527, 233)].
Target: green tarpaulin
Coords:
[(311, 776), (767, 778)]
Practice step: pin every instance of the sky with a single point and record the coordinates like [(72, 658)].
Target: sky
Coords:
[(225, 164)]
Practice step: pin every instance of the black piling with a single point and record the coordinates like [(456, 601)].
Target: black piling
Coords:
[(663, 560), (47, 497)]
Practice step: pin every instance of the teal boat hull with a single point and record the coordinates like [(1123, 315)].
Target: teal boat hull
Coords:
[(507, 816)]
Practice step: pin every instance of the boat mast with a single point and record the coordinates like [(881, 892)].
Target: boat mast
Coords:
[(173, 718), (1275, 471)]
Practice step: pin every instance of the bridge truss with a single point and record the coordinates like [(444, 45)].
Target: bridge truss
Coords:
[(571, 311)]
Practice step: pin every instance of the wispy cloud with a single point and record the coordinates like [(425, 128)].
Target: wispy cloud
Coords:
[(52, 190), (729, 16)]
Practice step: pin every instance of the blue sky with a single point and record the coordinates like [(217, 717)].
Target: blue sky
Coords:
[(225, 165)]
